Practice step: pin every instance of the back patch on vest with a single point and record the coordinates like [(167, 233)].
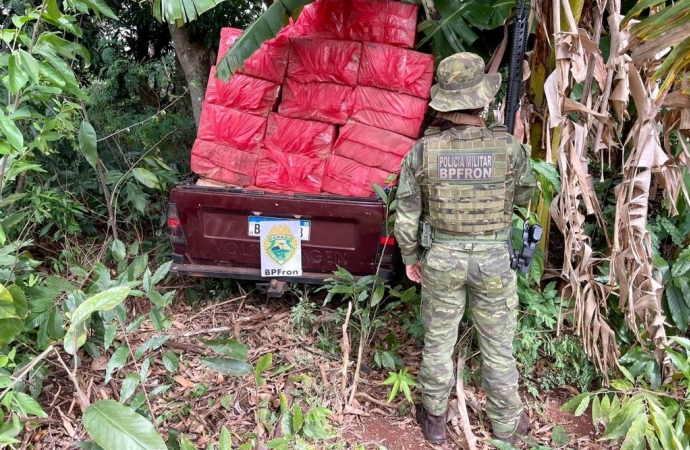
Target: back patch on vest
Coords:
[(465, 166)]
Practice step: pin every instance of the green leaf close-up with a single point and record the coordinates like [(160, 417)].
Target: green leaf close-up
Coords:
[(114, 426)]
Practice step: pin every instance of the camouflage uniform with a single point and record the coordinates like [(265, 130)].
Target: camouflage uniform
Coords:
[(469, 250)]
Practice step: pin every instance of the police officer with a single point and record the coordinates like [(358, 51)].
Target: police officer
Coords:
[(455, 204)]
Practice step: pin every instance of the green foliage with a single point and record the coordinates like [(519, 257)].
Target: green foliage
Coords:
[(401, 382), (114, 426), (641, 410)]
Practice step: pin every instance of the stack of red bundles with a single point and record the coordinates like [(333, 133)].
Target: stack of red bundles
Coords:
[(350, 178), (242, 92), (322, 18), (268, 62), (287, 172), (231, 127), (223, 163), (396, 69), (300, 137), (399, 113), (381, 21), (326, 102), (372, 147), (324, 60)]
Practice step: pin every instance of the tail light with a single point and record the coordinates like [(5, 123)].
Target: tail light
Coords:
[(175, 226), (386, 247)]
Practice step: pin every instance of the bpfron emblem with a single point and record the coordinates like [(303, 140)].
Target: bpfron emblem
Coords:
[(280, 244)]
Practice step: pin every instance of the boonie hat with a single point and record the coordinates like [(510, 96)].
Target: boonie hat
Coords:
[(462, 83)]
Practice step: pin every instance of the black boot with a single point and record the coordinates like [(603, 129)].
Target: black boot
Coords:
[(523, 429), (433, 427)]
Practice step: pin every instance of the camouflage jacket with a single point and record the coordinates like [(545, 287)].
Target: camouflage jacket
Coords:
[(410, 209)]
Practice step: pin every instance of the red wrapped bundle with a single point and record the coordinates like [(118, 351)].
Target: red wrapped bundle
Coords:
[(242, 92), (372, 147), (268, 62), (382, 21), (297, 136), (324, 60), (352, 179), (396, 69), (325, 102), (223, 163), (289, 173), (228, 126), (322, 18), (399, 113)]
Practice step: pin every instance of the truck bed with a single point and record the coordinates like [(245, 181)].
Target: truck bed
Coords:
[(345, 232)]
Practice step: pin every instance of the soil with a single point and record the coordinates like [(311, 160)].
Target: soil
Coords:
[(200, 401)]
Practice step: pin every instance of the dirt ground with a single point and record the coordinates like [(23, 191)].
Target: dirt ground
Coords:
[(200, 401)]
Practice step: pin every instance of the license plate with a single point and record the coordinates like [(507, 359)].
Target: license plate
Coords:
[(255, 224)]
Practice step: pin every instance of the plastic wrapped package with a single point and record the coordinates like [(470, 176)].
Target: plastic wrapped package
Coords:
[(325, 102), (392, 111), (298, 136), (381, 21), (242, 92), (372, 146), (351, 179), (325, 60), (322, 18), (288, 172), (222, 163), (269, 62), (231, 127), (396, 69)]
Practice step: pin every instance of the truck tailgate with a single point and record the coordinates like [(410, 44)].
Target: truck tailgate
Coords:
[(344, 232)]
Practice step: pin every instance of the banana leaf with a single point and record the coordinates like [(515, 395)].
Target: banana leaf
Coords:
[(459, 23), (181, 11), (264, 28)]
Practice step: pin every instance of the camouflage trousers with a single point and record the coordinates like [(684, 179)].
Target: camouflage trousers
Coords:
[(451, 271)]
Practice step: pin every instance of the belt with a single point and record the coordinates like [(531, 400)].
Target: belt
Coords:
[(441, 236)]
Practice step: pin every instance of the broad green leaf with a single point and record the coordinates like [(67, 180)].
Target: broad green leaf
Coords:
[(88, 144), (75, 337), (635, 439), (153, 343), (3, 237), (501, 445), (114, 426), (560, 437), (225, 442), (116, 361), (186, 444), (315, 431), (228, 347), (161, 272), (21, 306), (680, 312), (263, 364), (118, 250), (380, 192), (129, 386), (53, 10), (11, 132), (181, 11), (573, 403), (99, 7), (27, 404), (103, 301), (17, 77), (596, 411), (377, 296), (620, 424), (297, 418), (664, 431), (652, 440), (145, 177), (227, 366), (30, 65), (170, 361), (286, 425), (680, 362)]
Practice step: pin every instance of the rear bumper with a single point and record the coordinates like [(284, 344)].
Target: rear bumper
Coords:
[(243, 273)]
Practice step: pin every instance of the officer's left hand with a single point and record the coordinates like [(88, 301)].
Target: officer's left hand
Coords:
[(414, 272)]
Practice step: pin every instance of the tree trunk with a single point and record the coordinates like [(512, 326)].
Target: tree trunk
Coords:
[(196, 61)]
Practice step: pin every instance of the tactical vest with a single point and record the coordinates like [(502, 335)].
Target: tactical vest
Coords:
[(469, 179)]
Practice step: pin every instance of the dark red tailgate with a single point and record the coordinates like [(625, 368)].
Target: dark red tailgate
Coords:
[(344, 231)]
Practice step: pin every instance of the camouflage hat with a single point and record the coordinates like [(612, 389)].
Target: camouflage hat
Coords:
[(462, 83)]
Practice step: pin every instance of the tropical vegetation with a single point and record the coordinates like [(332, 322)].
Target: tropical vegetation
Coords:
[(99, 100)]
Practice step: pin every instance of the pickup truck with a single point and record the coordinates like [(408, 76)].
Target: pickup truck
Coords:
[(214, 232)]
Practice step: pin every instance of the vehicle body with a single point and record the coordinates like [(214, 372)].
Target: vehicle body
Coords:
[(214, 233)]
